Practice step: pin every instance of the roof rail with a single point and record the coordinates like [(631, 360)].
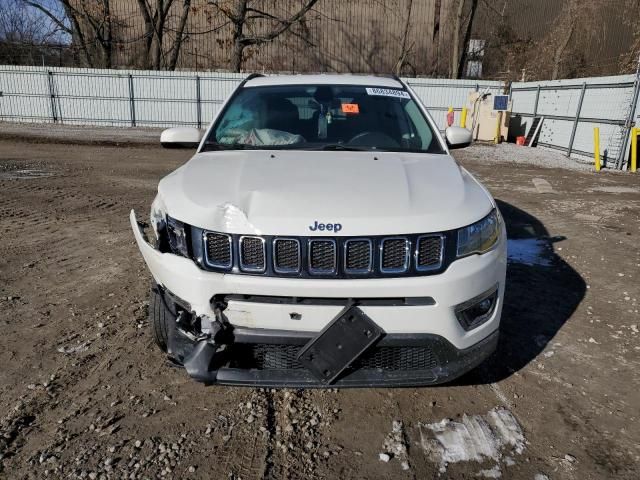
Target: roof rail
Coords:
[(251, 76)]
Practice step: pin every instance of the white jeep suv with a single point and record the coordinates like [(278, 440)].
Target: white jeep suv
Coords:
[(323, 235)]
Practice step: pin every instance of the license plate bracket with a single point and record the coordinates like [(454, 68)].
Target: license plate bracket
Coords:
[(339, 344)]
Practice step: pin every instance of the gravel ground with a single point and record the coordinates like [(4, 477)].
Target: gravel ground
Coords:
[(85, 394), (516, 155), (89, 135), (78, 134)]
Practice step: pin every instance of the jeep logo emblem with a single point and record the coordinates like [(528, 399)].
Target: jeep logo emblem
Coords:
[(329, 227)]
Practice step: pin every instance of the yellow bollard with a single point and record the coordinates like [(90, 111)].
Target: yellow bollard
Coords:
[(596, 147), (463, 117), (634, 148)]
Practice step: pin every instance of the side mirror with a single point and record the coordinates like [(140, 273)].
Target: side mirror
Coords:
[(180, 137), (458, 137)]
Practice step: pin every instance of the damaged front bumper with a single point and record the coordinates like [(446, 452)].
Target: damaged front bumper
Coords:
[(268, 358), (423, 344)]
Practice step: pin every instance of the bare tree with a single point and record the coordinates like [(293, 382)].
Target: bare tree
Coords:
[(436, 37), (567, 32), (245, 14), (89, 23), (458, 55), (93, 28), (455, 48), (405, 47), (26, 35), (177, 43), (154, 14)]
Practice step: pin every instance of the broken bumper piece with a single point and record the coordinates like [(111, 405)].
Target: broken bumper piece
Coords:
[(268, 358)]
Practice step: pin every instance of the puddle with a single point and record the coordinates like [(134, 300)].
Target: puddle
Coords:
[(24, 174), (530, 251)]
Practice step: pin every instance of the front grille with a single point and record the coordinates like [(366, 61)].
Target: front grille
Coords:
[(357, 256), (322, 256), (395, 255), (429, 252), (265, 356), (286, 255), (252, 254), (335, 257), (218, 250)]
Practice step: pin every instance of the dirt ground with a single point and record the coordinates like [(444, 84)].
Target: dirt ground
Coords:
[(85, 394)]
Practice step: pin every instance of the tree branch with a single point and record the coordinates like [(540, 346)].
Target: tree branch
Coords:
[(53, 18), (285, 24)]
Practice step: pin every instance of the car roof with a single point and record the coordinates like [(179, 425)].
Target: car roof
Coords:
[(324, 79)]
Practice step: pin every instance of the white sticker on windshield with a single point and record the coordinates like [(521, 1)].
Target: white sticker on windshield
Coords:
[(388, 92)]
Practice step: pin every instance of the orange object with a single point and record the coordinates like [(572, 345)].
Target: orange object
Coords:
[(520, 140), (350, 108)]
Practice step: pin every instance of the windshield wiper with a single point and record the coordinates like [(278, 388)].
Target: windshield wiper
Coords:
[(339, 146), (207, 147)]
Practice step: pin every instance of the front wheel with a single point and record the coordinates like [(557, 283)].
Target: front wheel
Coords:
[(161, 318)]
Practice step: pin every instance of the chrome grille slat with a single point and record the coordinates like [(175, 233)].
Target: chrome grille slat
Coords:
[(286, 255), (429, 252), (358, 256), (252, 254), (218, 250), (322, 256), (394, 255), (336, 256)]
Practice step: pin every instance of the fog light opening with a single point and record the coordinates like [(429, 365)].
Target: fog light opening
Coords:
[(473, 313)]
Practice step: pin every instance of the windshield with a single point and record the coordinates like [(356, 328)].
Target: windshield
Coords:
[(323, 117)]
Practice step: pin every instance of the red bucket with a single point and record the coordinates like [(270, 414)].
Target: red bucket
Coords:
[(520, 140)]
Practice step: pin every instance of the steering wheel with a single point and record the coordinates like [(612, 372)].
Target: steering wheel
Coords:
[(373, 139)]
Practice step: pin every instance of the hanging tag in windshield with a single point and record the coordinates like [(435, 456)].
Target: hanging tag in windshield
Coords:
[(388, 92), (350, 108)]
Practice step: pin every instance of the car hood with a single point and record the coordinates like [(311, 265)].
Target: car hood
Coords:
[(286, 192)]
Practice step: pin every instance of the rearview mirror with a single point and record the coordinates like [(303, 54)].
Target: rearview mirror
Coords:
[(458, 137), (180, 137)]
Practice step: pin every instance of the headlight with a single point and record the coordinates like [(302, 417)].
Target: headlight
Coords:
[(177, 236), (158, 220), (481, 236)]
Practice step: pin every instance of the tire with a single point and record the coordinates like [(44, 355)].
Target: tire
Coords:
[(161, 318)]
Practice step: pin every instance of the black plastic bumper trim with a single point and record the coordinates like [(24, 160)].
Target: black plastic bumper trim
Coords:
[(361, 302), (452, 363)]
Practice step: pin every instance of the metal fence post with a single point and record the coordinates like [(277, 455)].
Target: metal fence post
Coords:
[(535, 105), (132, 106), (629, 120), (198, 105), (54, 115), (575, 122)]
